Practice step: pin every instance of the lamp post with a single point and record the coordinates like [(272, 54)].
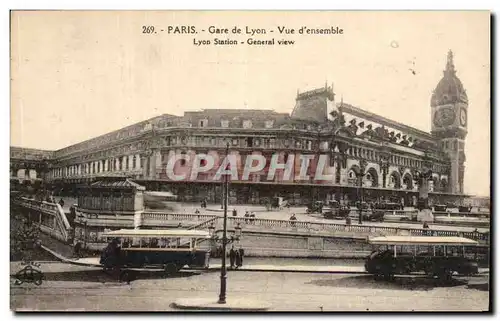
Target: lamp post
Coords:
[(359, 175), (223, 272)]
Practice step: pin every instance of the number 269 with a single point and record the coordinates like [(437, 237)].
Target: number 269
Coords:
[(148, 29)]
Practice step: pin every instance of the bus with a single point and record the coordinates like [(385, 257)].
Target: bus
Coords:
[(435, 256), (169, 250)]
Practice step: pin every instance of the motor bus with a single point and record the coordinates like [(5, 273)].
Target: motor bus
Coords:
[(170, 250), (435, 256)]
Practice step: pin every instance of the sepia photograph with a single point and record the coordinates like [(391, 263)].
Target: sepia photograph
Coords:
[(250, 161)]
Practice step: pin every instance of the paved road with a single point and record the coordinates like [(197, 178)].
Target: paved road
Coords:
[(80, 288)]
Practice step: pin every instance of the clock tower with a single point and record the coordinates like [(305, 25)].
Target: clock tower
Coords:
[(449, 114)]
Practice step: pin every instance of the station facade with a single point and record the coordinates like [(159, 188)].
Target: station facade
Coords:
[(362, 149)]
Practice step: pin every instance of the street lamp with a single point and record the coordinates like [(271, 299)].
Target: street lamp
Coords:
[(360, 175), (233, 238), (223, 272)]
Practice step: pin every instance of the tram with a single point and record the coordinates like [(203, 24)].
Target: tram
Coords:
[(435, 256), (170, 250)]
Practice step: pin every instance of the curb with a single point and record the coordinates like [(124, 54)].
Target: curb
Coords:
[(53, 253), (210, 304), (217, 269)]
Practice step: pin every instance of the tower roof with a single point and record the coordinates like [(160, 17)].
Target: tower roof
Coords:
[(449, 89)]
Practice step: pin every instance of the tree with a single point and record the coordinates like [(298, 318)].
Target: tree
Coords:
[(24, 237)]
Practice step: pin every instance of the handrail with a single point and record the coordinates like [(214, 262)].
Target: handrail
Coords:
[(56, 210), (307, 225)]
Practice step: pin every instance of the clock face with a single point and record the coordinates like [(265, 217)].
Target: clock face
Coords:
[(446, 116), (463, 117)]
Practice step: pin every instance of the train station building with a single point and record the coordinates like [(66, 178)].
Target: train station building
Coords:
[(362, 149)]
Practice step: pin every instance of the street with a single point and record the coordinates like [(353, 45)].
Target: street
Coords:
[(68, 287)]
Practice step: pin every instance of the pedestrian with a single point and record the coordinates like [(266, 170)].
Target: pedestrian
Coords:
[(292, 220), (77, 249), (252, 217), (61, 202), (237, 259), (426, 229), (247, 215), (241, 253), (234, 212), (232, 257)]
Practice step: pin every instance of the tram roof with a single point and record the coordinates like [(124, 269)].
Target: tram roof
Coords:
[(415, 240), (157, 233)]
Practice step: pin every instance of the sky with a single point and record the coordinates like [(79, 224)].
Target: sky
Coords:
[(76, 75)]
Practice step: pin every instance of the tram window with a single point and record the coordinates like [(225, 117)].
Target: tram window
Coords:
[(452, 251), (136, 242), (145, 242), (126, 243)]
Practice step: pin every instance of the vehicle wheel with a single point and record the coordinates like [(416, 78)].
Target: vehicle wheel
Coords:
[(445, 274), (388, 276), (171, 268), (127, 276)]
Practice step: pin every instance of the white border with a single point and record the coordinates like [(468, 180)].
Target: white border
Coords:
[(192, 5)]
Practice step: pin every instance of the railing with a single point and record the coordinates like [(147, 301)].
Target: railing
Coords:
[(204, 225), (62, 225), (462, 214), (361, 230), (267, 224), (165, 217)]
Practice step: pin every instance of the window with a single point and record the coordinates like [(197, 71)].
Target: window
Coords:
[(269, 123), (203, 123), (309, 145), (249, 141), (235, 141), (183, 160), (247, 124), (224, 123)]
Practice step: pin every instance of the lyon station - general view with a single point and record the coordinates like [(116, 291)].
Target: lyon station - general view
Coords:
[(326, 182)]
